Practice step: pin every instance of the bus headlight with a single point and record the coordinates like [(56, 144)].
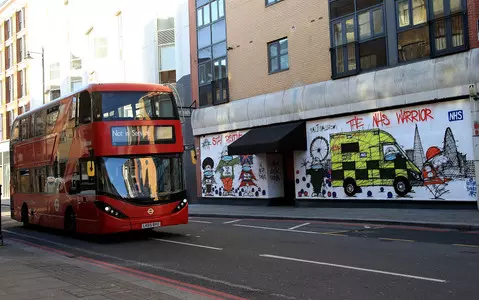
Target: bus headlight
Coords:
[(180, 205), (108, 209)]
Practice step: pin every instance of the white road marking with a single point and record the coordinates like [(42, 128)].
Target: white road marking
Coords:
[(138, 263), (198, 221), (300, 225), (188, 244), (353, 268), (288, 230), (234, 221)]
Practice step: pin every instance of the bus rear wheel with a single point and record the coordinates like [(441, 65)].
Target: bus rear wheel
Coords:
[(402, 186), (24, 215), (350, 187), (70, 223)]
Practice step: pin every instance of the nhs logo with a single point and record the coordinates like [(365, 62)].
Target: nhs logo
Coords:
[(455, 115)]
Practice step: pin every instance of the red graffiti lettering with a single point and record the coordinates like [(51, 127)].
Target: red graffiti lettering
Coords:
[(380, 119), (230, 138), (355, 123), (414, 116), (217, 140)]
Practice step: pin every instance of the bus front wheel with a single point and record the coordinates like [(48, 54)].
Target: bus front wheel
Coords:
[(24, 215), (402, 186), (350, 187)]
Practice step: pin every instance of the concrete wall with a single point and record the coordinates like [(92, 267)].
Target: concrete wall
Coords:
[(250, 26)]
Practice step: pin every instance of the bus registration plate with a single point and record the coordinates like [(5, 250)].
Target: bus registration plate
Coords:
[(150, 225)]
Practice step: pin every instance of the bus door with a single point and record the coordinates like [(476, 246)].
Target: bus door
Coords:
[(83, 194)]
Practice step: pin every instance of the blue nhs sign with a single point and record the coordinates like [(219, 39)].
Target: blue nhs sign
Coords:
[(455, 115)]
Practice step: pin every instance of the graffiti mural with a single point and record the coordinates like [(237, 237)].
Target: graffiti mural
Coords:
[(422, 153), (226, 175)]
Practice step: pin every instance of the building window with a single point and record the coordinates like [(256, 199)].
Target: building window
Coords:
[(358, 36), (20, 49), (21, 84), (8, 57), (9, 122), (75, 62), (271, 2), (448, 26), (54, 94), (55, 71), (7, 27), (1, 126), (212, 62), (413, 30), (101, 47), (20, 19), (75, 83), (9, 89), (278, 56)]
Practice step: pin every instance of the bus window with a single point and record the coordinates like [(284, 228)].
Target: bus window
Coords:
[(40, 123), (84, 112), (87, 170), (24, 129), (15, 131), (52, 116), (24, 185), (134, 106)]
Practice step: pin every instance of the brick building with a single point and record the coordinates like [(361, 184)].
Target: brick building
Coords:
[(334, 100)]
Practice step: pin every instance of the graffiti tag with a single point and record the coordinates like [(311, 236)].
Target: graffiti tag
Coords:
[(230, 138), (318, 128), (414, 115), (217, 140), (380, 119), (356, 123)]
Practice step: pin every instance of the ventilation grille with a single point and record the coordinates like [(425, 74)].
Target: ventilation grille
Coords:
[(166, 36)]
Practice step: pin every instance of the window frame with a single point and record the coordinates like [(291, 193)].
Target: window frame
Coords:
[(447, 18), (357, 41), (273, 3), (211, 84), (279, 55)]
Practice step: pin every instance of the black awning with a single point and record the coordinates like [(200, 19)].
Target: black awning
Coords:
[(271, 139)]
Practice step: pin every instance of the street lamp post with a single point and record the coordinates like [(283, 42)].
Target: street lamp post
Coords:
[(28, 56)]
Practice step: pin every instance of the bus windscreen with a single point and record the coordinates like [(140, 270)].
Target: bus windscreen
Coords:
[(124, 105), (140, 179)]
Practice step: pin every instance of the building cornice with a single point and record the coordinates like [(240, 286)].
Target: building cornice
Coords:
[(428, 80)]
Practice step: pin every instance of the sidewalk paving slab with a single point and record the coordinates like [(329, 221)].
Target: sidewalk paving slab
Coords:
[(28, 272), (461, 219)]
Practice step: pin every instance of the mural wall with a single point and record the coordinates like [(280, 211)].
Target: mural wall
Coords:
[(417, 153), (223, 175)]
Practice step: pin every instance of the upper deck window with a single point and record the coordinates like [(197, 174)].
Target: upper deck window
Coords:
[(108, 106)]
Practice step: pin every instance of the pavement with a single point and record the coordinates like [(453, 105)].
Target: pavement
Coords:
[(31, 271), (461, 219)]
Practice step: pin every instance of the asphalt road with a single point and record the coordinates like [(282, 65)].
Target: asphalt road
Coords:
[(274, 259)]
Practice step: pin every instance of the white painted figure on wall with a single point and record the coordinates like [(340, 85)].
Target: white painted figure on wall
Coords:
[(247, 176), (226, 169)]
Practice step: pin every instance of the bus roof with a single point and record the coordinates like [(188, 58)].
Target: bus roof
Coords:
[(106, 87)]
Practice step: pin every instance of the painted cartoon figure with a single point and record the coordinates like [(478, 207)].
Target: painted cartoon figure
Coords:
[(208, 175), (247, 176), (226, 169), (434, 178)]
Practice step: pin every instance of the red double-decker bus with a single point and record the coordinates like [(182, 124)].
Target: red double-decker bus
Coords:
[(105, 159)]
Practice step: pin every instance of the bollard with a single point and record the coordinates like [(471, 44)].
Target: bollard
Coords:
[(1, 235)]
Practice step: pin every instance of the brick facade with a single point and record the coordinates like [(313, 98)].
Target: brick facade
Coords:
[(473, 18), (251, 25)]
